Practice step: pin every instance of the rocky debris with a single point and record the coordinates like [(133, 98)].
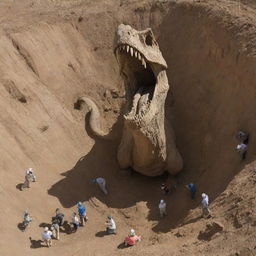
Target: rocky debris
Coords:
[(211, 229), (180, 233), (106, 109), (243, 252)]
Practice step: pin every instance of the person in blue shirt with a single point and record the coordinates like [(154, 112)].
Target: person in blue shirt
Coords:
[(192, 189), (82, 213)]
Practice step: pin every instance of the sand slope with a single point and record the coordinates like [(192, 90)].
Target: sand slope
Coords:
[(52, 52)]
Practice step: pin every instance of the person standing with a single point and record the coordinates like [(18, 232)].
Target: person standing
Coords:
[(192, 188), (162, 208), (102, 184), (26, 220), (29, 176), (205, 206), (111, 225), (59, 216), (82, 213), (47, 237), (74, 222), (55, 228), (242, 150)]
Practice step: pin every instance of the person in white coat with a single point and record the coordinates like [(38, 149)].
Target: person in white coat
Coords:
[(47, 237), (205, 205), (111, 225)]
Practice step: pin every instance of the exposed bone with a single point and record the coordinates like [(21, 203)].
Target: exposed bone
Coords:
[(145, 127), (118, 55), (144, 63), (131, 49)]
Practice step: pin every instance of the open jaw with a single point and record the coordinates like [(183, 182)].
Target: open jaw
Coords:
[(140, 79)]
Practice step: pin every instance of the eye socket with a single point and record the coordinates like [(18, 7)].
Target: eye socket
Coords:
[(149, 40)]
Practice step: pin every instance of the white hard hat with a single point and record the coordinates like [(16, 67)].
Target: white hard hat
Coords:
[(132, 232), (203, 195), (46, 229), (29, 170), (161, 201)]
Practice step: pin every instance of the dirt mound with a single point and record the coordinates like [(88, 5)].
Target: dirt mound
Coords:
[(53, 52)]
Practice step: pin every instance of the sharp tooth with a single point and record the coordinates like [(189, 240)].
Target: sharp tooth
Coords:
[(139, 57), (127, 48), (144, 63), (123, 47), (118, 55), (136, 54), (120, 48), (131, 49)]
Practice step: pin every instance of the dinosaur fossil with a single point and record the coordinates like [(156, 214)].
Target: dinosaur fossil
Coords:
[(148, 140), (147, 144)]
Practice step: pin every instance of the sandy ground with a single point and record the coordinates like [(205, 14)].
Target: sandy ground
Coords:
[(52, 52)]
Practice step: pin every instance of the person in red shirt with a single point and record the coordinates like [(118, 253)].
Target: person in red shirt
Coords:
[(132, 238)]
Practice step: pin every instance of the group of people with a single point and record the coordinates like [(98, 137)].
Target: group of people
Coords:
[(192, 189), (78, 219), (58, 220)]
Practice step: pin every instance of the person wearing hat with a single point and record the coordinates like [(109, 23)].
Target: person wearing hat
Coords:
[(111, 225), (132, 238), (162, 208), (82, 213), (192, 188), (102, 184), (205, 205), (29, 176), (47, 237)]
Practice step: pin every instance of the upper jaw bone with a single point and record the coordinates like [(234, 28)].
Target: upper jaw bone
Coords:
[(133, 52)]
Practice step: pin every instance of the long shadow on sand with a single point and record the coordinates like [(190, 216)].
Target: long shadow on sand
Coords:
[(126, 189), (35, 244)]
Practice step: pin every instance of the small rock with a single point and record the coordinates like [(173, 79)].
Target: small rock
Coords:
[(180, 233), (106, 109)]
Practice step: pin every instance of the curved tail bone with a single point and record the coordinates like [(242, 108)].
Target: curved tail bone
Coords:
[(94, 120)]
